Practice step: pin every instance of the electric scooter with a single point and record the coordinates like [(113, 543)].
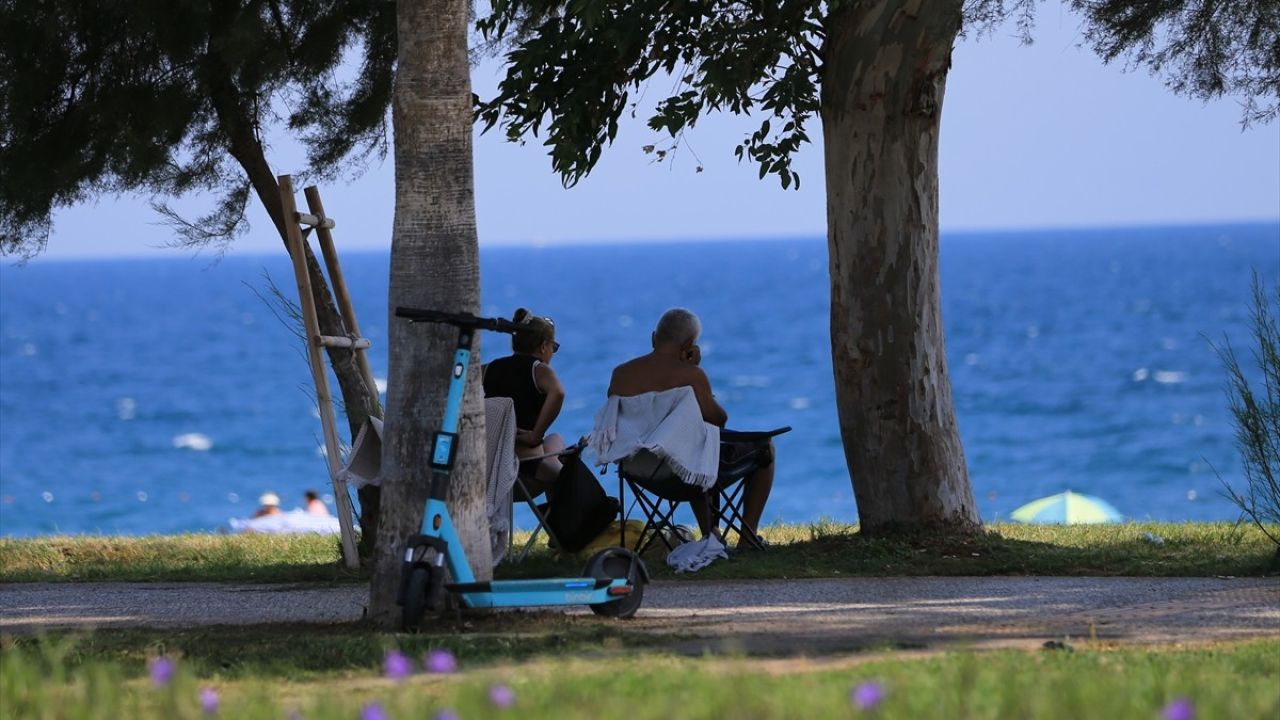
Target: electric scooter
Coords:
[(613, 581)]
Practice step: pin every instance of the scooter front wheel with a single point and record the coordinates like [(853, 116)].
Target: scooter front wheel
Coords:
[(612, 564), (415, 598)]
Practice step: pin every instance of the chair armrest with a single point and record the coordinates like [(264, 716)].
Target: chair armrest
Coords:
[(727, 435)]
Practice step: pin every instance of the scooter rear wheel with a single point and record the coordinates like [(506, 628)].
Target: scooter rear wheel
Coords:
[(415, 598), (612, 564)]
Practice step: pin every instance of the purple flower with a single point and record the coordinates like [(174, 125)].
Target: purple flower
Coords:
[(502, 696), (440, 661), (209, 701), (1179, 709), (397, 666), (161, 671), (373, 711), (867, 696), (446, 715)]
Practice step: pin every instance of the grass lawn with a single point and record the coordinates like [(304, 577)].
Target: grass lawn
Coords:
[(824, 549), (79, 677)]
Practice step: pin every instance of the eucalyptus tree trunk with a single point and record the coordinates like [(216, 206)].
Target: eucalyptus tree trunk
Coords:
[(882, 87), (434, 265)]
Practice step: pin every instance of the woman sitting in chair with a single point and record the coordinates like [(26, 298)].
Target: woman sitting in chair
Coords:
[(526, 377)]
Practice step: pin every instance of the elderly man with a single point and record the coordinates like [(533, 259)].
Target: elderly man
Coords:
[(674, 362)]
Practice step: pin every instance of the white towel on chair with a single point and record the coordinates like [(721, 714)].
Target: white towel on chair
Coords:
[(500, 446), (668, 424)]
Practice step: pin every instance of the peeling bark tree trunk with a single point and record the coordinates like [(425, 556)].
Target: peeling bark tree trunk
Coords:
[(434, 264), (886, 69)]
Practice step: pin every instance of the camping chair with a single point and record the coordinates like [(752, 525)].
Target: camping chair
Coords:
[(658, 492)]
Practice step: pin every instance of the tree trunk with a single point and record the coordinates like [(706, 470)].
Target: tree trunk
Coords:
[(434, 265), (882, 87)]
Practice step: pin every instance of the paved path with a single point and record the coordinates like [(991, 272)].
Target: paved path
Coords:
[(759, 616)]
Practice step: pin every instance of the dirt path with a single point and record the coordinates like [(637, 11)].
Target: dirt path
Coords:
[(765, 616)]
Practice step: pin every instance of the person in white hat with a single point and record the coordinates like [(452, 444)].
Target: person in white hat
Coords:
[(270, 503)]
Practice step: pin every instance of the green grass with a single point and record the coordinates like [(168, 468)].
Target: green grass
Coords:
[(300, 651), (824, 549), (1231, 681)]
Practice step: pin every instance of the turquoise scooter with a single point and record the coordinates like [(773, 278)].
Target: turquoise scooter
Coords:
[(614, 578)]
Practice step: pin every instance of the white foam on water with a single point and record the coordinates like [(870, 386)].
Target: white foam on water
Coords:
[(142, 496), (29, 349), (757, 381), (47, 496), (1168, 343), (126, 408), (1141, 374), (1192, 495), (799, 403), (972, 359), (625, 320), (1033, 331), (1169, 377), (233, 497), (193, 441)]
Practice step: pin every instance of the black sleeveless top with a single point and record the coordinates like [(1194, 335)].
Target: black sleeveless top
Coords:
[(512, 377)]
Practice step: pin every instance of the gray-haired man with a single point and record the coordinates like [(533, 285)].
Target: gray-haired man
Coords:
[(674, 362)]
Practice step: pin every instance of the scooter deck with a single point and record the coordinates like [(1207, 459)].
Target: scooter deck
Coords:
[(540, 592)]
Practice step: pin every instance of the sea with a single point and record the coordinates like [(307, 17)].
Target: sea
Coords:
[(147, 396)]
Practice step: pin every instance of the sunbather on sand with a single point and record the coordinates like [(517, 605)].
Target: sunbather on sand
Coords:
[(526, 377), (674, 362)]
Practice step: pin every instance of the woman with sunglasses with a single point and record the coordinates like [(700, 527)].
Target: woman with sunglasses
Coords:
[(526, 377)]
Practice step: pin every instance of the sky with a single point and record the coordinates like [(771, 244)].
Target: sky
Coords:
[(1033, 137)]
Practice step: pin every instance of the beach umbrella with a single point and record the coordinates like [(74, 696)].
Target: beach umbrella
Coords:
[(1067, 508)]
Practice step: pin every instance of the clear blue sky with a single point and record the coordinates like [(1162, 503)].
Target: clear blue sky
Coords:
[(1033, 137)]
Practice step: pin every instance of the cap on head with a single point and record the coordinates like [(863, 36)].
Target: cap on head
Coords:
[(269, 499)]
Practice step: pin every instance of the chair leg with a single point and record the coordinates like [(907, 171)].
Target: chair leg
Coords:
[(730, 503), (655, 518), (542, 523)]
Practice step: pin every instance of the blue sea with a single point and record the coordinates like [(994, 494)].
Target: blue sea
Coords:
[(162, 395)]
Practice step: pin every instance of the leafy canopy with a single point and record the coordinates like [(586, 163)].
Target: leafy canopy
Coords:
[(577, 65), (98, 96)]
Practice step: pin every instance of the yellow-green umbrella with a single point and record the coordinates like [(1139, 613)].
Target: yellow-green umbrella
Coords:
[(1067, 508)]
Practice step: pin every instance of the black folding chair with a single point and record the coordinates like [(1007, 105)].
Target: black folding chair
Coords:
[(658, 491)]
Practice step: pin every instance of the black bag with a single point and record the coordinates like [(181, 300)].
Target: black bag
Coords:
[(579, 510)]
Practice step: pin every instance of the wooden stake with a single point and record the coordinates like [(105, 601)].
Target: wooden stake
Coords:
[(319, 373), (339, 283)]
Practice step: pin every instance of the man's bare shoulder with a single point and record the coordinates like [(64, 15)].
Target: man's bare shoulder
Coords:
[(650, 373)]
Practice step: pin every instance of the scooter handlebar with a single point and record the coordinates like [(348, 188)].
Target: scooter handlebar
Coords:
[(459, 320)]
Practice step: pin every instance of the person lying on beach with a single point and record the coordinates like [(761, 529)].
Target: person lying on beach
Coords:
[(526, 377), (675, 362)]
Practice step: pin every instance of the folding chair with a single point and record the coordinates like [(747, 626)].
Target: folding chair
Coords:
[(658, 491)]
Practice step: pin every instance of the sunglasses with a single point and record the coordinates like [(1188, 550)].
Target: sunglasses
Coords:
[(555, 346)]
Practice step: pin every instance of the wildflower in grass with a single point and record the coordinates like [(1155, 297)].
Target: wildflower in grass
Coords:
[(446, 715), (161, 671), (502, 696), (440, 661), (209, 701), (373, 711), (397, 666), (1179, 709), (867, 696)]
